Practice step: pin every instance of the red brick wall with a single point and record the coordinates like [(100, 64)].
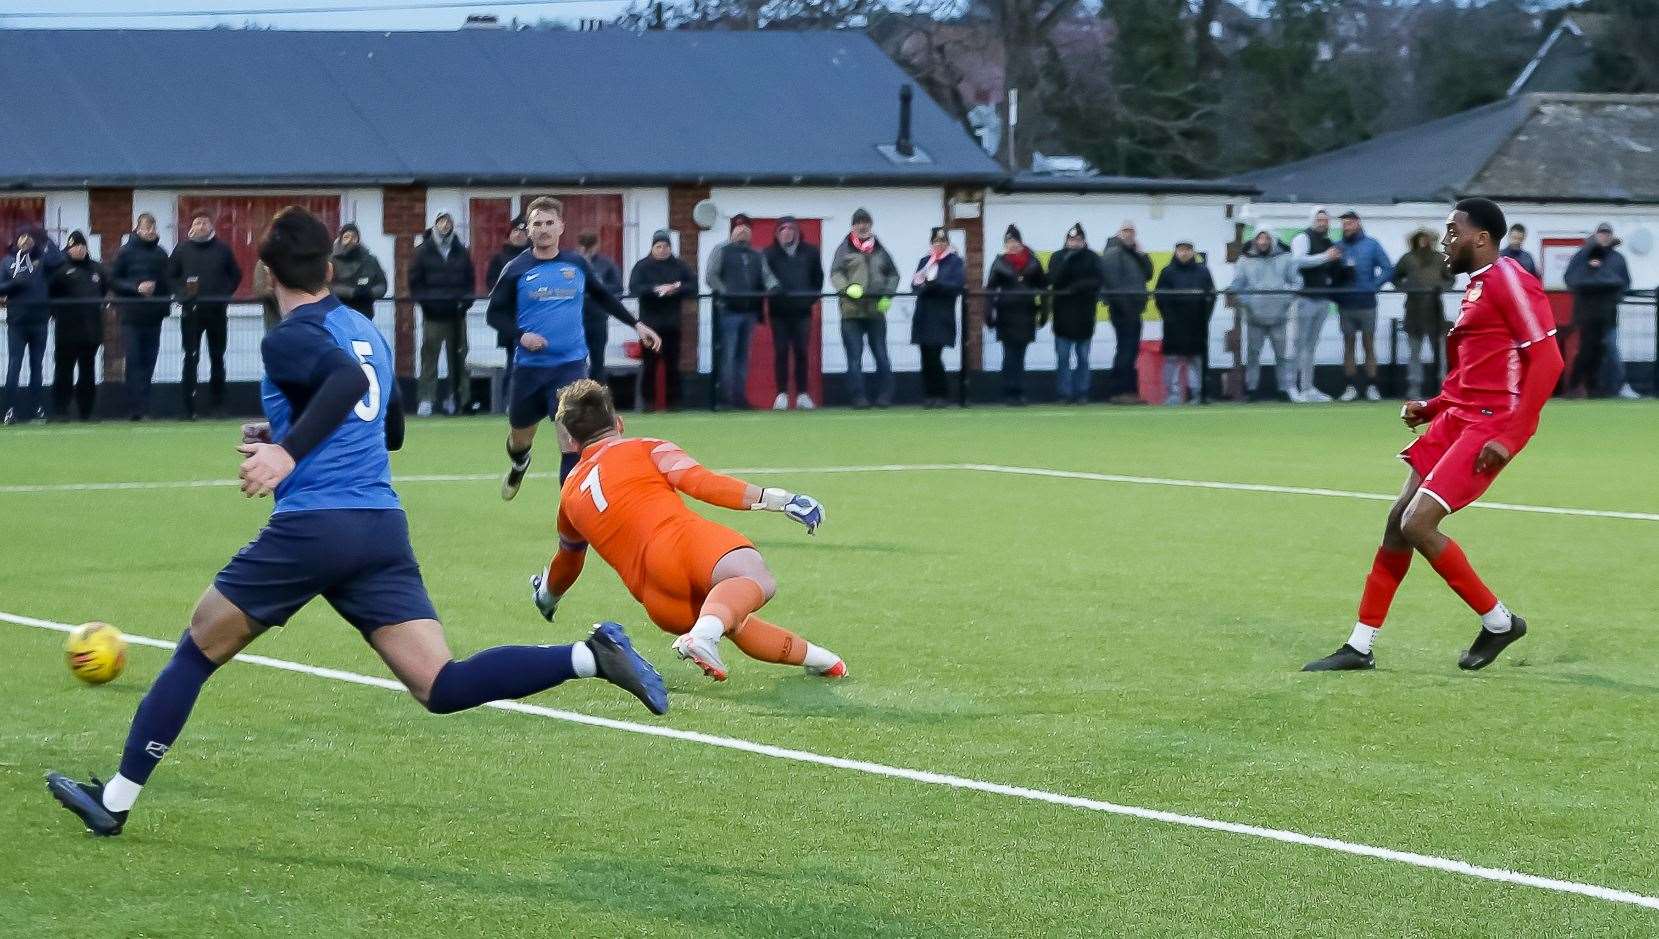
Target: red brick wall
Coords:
[(681, 200), (111, 217), (973, 230), (403, 216)]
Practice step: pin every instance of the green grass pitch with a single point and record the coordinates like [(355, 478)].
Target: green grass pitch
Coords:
[(1126, 642)]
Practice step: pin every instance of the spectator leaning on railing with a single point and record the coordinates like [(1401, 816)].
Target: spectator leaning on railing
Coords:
[(1185, 294), (939, 282), (359, 280), (863, 274), (440, 278), (799, 269), (1124, 272), (204, 272), (1598, 277), (1365, 270), (25, 282), (78, 289), (1421, 273), (140, 279), (1074, 273), (738, 277), (1264, 285), (661, 281), (1018, 310)]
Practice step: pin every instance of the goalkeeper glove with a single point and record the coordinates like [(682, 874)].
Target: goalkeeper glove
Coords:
[(803, 509)]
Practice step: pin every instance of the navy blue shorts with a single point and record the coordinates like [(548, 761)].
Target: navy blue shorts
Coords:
[(535, 390), (359, 560)]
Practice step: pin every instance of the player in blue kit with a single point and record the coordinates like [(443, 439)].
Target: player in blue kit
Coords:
[(542, 291), (337, 531)]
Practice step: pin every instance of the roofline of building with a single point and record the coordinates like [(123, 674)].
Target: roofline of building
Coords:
[(498, 179), (1126, 184)]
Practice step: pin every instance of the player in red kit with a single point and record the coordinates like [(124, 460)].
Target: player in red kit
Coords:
[(1503, 364)]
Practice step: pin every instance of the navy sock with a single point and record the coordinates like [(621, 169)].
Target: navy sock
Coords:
[(498, 674), (165, 708), (567, 462)]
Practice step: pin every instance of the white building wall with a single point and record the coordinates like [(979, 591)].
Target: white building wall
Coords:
[(903, 217), (67, 211)]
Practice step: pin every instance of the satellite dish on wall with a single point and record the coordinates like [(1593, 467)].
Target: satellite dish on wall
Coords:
[(1640, 241), (705, 214)]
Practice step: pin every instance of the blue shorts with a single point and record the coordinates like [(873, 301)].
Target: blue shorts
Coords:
[(535, 390), (359, 560)]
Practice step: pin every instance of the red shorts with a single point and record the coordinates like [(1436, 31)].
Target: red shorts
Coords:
[(1445, 457), (679, 570)]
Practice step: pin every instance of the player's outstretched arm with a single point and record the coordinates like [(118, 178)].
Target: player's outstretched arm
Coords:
[(729, 492)]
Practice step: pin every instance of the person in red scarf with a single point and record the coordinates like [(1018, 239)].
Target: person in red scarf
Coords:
[(939, 282), (863, 273), (1018, 309)]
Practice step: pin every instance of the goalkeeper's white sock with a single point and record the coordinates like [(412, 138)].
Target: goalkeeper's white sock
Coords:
[(709, 627), (819, 657)]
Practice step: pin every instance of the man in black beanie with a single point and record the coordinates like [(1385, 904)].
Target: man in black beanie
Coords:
[(78, 290), (661, 281), (359, 280)]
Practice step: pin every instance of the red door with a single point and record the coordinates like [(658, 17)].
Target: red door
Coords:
[(763, 386), (241, 221), (487, 224), (18, 213)]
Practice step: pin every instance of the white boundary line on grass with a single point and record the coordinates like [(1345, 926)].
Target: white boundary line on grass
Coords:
[(1428, 861), (893, 468)]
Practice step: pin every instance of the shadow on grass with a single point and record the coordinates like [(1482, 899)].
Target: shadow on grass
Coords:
[(703, 896)]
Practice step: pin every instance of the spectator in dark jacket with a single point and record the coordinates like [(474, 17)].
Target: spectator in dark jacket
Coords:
[(203, 267), (662, 281), (359, 280), (506, 332), (1516, 249), (1017, 311), (799, 270), (1185, 295), (440, 280), (738, 277), (594, 318), (140, 279), (78, 289), (939, 283), (1124, 272), (1598, 277), (1074, 273), (1421, 273), (25, 282)]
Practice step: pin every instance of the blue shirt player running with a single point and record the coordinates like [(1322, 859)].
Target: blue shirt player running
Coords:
[(338, 532), (541, 292)]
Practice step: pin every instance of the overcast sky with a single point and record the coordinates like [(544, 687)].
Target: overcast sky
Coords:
[(318, 14)]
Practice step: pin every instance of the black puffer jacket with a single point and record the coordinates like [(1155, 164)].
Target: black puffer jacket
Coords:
[(212, 265), (1075, 275), (442, 285), (798, 272), (1016, 318), (84, 284), (1186, 315), (661, 313), (139, 261)]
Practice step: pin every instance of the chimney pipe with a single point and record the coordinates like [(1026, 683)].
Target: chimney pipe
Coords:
[(903, 146)]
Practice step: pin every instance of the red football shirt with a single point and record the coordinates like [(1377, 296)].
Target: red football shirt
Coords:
[(1504, 310)]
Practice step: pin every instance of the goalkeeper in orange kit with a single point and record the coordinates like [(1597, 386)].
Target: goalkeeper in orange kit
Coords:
[(699, 580)]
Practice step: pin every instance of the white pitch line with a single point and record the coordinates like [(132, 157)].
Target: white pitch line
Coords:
[(902, 468), (1412, 858)]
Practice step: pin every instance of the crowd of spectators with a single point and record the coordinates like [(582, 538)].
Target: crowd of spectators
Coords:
[(1281, 294)]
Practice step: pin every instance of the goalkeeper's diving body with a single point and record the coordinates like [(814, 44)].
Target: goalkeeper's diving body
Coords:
[(697, 579)]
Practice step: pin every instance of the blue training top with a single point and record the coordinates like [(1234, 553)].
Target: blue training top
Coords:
[(351, 468), (546, 297)]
